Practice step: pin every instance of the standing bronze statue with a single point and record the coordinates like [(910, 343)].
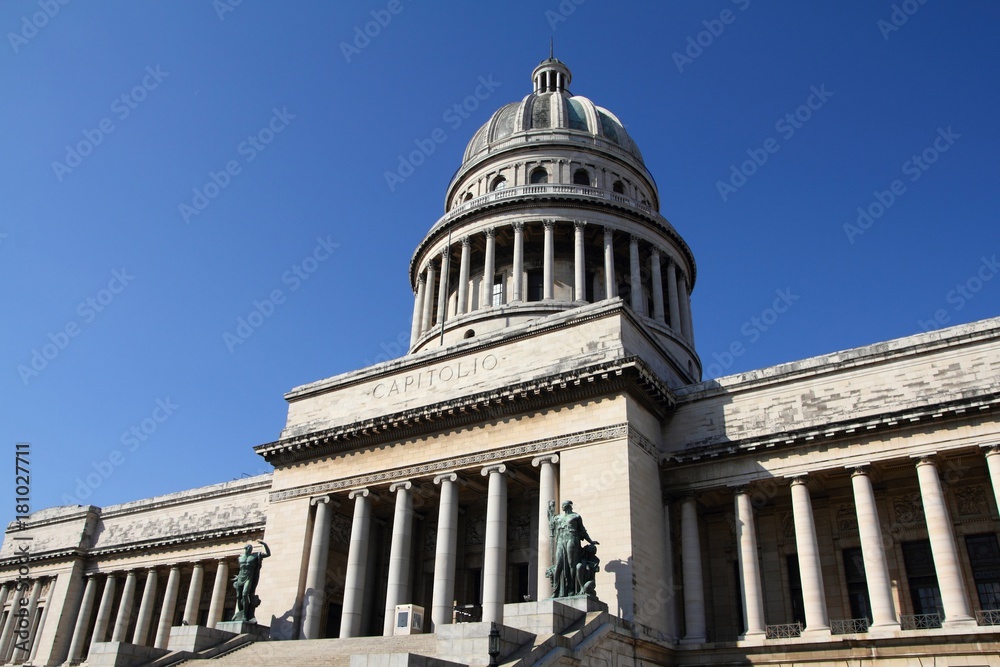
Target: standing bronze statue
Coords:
[(245, 582), (573, 567)]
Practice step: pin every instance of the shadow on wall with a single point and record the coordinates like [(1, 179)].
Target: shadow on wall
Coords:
[(622, 570)]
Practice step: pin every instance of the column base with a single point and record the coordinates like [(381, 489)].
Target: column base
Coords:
[(884, 628), (753, 638), (959, 623), (821, 632)]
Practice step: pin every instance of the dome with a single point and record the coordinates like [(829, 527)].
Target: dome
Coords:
[(551, 110)]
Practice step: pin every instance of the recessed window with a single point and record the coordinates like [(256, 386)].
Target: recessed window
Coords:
[(619, 187), (539, 175), (497, 295), (499, 183), (536, 288), (581, 177)]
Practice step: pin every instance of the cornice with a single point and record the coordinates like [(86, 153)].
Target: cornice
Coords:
[(596, 379)]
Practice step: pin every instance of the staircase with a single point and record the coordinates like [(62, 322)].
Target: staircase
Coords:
[(320, 652)]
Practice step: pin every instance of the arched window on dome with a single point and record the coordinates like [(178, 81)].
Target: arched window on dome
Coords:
[(499, 183), (539, 175), (618, 187), (468, 196), (581, 177)]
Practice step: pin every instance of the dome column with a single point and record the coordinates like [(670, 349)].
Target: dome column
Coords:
[(657, 281), (443, 285), (579, 262), (673, 297), (518, 261), (488, 269), (610, 289), (685, 302), (425, 322), (636, 296), (549, 260), (418, 310), (463, 277)]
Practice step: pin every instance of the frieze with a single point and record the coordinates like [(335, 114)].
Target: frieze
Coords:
[(847, 518), (498, 455), (475, 529), (908, 509), (340, 528), (971, 501), (519, 529)]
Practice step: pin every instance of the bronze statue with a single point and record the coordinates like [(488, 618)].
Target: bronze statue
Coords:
[(245, 582), (573, 568)]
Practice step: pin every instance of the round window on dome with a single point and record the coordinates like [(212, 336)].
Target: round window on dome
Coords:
[(499, 183)]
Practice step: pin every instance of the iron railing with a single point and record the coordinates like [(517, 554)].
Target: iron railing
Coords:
[(784, 630), (988, 616), (920, 621), (849, 626)]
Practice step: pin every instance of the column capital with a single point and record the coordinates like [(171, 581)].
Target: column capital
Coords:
[(991, 449), (860, 469), (518, 226), (608, 234), (579, 224), (354, 493), (491, 232), (545, 458), (446, 477), (740, 489), (320, 499), (421, 279), (498, 468), (633, 239), (396, 486), (798, 478), (929, 458), (654, 251), (466, 241), (445, 251), (549, 223)]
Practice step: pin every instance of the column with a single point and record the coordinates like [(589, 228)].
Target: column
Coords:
[(4, 592), (445, 551), (685, 303), (217, 605), (940, 530), (548, 259), (397, 590), (673, 297), (694, 586), (579, 262), (610, 287), (124, 609), (746, 542), (673, 627), (810, 568), (489, 269), (442, 315), (993, 464), (418, 310), (637, 298), (873, 552), (463, 277), (20, 655), (425, 322), (145, 616), (495, 549), (357, 565), (319, 551), (193, 605), (518, 277), (169, 605), (104, 611), (9, 628), (546, 494), (657, 280)]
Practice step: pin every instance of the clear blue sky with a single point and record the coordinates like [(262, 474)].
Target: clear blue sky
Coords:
[(133, 295)]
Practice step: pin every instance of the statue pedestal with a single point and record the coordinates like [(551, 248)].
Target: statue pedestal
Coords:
[(256, 630), (550, 616)]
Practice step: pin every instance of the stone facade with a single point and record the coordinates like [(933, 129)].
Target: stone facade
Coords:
[(833, 510)]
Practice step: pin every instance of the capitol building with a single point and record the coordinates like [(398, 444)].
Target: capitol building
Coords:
[(837, 510)]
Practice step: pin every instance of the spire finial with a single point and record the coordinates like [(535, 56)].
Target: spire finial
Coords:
[(550, 48)]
